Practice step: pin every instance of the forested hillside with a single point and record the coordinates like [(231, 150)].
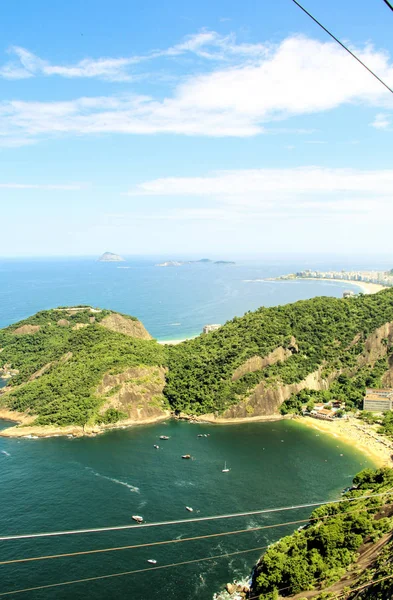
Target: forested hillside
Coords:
[(322, 332), (61, 356), (57, 358), (337, 534)]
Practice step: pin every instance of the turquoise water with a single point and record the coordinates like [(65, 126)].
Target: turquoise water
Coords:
[(61, 483), (171, 302)]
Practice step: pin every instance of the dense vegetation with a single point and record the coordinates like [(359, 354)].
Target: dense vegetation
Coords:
[(75, 352), (345, 388), (329, 332), (320, 554), (76, 360)]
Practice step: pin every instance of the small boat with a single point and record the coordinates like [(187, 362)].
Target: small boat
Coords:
[(156, 447), (225, 470), (200, 434), (164, 437), (152, 561), (186, 456), (189, 509), (137, 518)]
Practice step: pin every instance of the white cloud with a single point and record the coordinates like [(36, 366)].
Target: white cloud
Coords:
[(205, 44), (257, 185), (307, 194), (264, 84), (381, 121)]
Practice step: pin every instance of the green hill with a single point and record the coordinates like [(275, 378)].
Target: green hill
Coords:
[(61, 357), (344, 546), (66, 361), (322, 336)]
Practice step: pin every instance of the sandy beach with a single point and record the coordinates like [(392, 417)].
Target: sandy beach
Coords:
[(359, 435), (365, 287)]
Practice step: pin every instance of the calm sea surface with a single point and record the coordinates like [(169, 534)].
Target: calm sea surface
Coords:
[(172, 302), (57, 483), (62, 483)]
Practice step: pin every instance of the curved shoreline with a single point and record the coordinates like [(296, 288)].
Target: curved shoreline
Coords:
[(353, 432), (47, 431), (365, 286), (357, 434)]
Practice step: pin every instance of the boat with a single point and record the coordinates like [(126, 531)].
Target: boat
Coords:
[(225, 470), (152, 561), (137, 518), (189, 509), (200, 434), (155, 446), (186, 456), (164, 437)]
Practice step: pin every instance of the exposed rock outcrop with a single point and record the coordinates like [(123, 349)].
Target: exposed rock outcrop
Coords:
[(266, 400), (63, 322), (40, 372), (136, 391), (387, 379), (377, 344), (256, 363), (120, 324), (26, 330)]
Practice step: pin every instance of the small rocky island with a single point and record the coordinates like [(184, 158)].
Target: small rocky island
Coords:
[(110, 257), (180, 263)]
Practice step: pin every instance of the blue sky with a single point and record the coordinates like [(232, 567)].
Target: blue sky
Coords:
[(192, 128)]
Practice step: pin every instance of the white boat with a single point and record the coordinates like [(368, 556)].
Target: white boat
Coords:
[(137, 518), (152, 561), (225, 470), (189, 509), (164, 437), (156, 447)]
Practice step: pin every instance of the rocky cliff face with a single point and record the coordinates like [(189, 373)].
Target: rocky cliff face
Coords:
[(131, 327), (256, 363), (265, 399), (377, 344), (136, 392)]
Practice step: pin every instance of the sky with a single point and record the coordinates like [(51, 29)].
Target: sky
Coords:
[(229, 128)]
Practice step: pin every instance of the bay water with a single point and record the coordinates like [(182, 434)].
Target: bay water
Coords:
[(60, 483)]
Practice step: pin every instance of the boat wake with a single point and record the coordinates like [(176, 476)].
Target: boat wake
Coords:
[(5, 453), (132, 488)]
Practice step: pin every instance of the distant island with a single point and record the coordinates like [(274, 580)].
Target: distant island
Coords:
[(180, 263), (110, 257)]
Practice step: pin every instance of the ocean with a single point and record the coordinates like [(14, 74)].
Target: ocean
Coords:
[(60, 483), (172, 302)]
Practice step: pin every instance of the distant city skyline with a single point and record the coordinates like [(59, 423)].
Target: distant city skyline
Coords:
[(204, 129)]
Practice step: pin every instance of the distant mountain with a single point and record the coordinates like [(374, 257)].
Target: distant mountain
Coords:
[(110, 257), (180, 263)]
